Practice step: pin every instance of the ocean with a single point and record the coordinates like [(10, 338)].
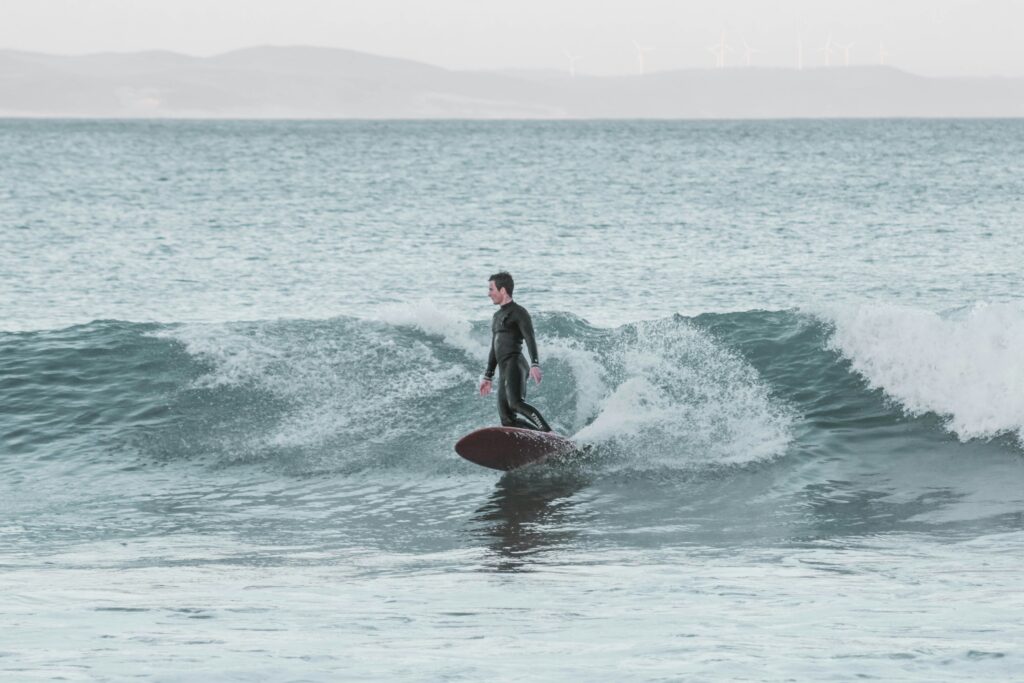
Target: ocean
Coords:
[(235, 357)]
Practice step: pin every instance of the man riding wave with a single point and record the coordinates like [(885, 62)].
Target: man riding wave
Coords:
[(510, 327)]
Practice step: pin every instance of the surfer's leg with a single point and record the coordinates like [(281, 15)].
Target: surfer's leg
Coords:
[(515, 391), (505, 414)]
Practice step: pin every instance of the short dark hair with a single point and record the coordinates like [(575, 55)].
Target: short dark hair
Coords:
[(504, 281)]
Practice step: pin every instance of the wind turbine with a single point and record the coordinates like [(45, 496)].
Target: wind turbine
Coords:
[(572, 62), (747, 49), (828, 50), (640, 52), (719, 51), (846, 51), (882, 53)]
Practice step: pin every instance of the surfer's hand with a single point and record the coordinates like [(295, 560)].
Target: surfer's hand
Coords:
[(535, 373), (485, 387)]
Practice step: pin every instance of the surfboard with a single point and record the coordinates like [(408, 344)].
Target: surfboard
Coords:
[(508, 448)]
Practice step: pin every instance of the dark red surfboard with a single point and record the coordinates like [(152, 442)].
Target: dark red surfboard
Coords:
[(506, 448)]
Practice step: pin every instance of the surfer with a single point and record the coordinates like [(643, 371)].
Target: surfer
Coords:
[(511, 326)]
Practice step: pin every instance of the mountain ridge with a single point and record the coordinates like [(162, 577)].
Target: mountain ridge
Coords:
[(334, 83)]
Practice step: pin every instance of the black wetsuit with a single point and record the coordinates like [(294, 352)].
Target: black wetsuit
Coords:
[(510, 326)]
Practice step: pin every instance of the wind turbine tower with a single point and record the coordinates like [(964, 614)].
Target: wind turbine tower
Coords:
[(828, 50), (747, 49), (882, 54), (572, 62), (719, 51), (846, 52), (641, 51)]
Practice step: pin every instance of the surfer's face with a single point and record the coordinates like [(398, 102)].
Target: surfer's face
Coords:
[(497, 295)]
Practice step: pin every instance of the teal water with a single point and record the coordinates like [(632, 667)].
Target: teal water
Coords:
[(234, 358), (614, 222)]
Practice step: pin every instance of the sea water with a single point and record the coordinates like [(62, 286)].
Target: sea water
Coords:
[(234, 357)]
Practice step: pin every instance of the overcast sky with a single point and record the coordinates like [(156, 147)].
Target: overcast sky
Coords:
[(930, 37)]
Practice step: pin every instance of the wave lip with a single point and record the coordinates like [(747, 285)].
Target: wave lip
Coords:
[(965, 365)]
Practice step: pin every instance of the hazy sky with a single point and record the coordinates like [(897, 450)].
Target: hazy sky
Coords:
[(931, 37)]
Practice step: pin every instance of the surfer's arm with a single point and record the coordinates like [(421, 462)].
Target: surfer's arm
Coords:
[(526, 329), (492, 363)]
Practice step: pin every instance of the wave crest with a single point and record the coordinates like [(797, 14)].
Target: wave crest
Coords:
[(965, 365), (681, 398)]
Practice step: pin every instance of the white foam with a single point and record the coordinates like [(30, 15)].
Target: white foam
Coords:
[(681, 399), (967, 365), (667, 393), (427, 317), (237, 356), (589, 376), (351, 385)]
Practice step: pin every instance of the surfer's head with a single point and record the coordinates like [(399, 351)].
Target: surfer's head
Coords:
[(499, 287)]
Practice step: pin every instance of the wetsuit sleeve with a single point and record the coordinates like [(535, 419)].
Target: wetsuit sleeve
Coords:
[(526, 329), (492, 362)]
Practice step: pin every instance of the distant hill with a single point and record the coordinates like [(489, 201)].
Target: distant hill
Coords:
[(308, 82)]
